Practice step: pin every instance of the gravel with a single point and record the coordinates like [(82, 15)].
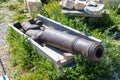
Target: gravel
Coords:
[(5, 16)]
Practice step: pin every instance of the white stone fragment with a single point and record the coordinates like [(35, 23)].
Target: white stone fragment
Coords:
[(80, 5), (68, 56), (92, 3), (94, 10)]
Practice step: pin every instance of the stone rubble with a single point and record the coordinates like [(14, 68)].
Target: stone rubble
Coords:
[(88, 6)]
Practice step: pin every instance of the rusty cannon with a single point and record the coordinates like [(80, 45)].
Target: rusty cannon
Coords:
[(93, 50)]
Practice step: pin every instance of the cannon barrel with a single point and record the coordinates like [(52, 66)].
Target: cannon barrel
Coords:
[(65, 41), (92, 49)]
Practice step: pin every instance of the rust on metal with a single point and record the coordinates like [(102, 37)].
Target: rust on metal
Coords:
[(70, 43)]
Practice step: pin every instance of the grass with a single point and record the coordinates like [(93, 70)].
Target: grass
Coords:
[(1, 1), (25, 57)]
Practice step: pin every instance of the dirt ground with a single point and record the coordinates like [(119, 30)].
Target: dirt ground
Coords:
[(5, 16)]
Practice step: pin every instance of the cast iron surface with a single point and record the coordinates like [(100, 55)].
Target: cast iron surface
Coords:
[(93, 50)]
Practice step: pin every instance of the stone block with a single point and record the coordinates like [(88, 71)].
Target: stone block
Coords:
[(67, 4), (80, 5), (68, 56), (33, 5)]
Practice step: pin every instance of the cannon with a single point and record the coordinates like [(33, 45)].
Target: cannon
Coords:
[(93, 50)]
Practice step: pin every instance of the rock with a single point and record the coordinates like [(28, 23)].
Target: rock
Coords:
[(93, 0), (94, 10), (69, 4), (33, 5), (80, 5), (68, 56), (92, 3)]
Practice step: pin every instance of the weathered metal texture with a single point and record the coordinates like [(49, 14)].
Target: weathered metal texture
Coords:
[(93, 50), (34, 33), (26, 26), (65, 41), (17, 25), (58, 39), (39, 22)]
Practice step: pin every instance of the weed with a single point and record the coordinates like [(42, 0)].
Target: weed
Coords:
[(1, 1), (15, 6), (19, 17)]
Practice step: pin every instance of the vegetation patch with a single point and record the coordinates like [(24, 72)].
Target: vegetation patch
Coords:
[(27, 61)]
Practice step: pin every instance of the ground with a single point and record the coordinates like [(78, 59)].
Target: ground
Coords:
[(5, 16)]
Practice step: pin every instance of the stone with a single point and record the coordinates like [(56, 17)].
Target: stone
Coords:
[(93, 0), (94, 10), (68, 56), (33, 5), (80, 5), (69, 4)]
